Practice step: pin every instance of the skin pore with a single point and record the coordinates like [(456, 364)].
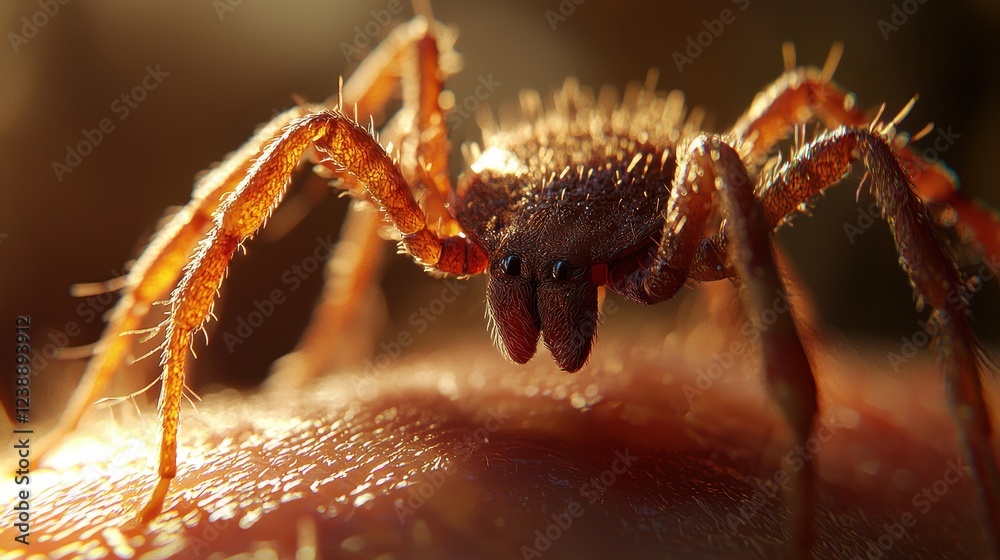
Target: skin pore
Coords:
[(664, 443)]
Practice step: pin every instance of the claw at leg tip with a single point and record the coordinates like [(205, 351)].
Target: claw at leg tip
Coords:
[(154, 506)]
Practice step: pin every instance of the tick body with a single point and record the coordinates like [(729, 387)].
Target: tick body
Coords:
[(558, 203)]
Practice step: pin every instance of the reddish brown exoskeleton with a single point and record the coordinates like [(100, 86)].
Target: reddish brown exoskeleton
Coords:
[(582, 194)]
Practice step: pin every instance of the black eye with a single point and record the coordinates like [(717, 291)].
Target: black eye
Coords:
[(511, 265), (561, 270)]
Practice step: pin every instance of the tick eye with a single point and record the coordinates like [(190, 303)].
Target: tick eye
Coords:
[(561, 270), (511, 265)]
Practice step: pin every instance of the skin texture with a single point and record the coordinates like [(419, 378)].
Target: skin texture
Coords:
[(496, 450)]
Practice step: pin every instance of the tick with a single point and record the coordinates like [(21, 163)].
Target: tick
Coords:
[(576, 195)]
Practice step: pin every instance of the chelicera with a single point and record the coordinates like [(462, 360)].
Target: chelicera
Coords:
[(584, 193)]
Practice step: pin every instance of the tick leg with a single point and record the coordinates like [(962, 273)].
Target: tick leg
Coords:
[(803, 94), (342, 320), (154, 273), (932, 273), (431, 135), (352, 148), (687, 210), (708, 166), (787, 371)]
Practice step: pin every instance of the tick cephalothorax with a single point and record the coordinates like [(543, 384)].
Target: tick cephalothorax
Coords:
[(584, 193), (558, 203)]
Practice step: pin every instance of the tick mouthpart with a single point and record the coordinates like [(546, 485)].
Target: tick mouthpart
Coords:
[(569, 318), (514, 317)]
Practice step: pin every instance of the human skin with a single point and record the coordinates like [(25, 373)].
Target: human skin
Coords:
[(463, 455)]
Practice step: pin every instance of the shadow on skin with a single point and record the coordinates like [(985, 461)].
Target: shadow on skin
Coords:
[(467, 456)]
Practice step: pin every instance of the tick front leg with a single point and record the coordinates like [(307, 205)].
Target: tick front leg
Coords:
[(787, 371), (688, 208), (238, 216), (711, 166), (351, 147), (155, 272), (342, 323)]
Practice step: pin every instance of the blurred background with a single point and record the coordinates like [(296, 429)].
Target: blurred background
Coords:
[(228, 65)]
